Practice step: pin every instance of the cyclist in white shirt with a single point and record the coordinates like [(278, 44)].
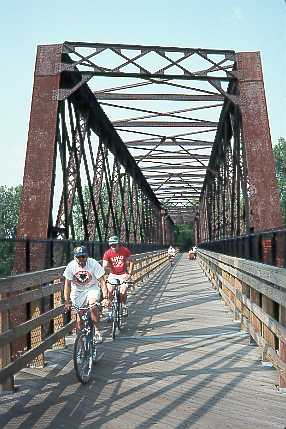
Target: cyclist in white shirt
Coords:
[(84, 277), (171, 252)]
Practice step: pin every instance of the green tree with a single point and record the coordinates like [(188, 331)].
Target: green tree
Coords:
[(9, 210), (184, 236), (280, 167), (9, 215), (78, 227)]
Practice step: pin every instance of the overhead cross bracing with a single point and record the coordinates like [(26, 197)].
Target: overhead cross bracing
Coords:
[(128, 131), (164, 103)]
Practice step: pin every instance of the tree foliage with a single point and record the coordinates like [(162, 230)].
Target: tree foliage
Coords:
[(9, 210), (9, 214), (280, 167), (184, 236)]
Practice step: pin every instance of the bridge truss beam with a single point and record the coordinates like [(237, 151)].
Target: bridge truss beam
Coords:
[(80, 181), (87, 159)]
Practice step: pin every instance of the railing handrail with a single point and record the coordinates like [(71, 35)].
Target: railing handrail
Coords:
[(256, 292)]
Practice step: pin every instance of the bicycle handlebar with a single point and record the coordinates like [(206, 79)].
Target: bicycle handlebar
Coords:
[(85, 308), (119, 283)]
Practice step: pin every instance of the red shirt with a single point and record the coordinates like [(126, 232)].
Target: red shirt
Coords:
[(117, 260)]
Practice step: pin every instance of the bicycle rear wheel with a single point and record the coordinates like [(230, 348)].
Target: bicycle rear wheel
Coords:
[(82, 358), (114, 323), (119, 315)]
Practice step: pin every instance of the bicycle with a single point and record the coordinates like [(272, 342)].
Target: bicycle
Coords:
[(117, 313), (171, 259), (84, 352)]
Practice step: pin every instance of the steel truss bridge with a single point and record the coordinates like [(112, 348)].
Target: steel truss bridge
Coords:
[(132, 139)]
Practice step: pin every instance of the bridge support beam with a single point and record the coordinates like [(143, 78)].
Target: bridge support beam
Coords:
[(40, 156), (37, 194), (264, 202)]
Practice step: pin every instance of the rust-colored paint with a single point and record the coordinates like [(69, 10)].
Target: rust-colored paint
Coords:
[(265, 211), (38, 175), (36, 199)]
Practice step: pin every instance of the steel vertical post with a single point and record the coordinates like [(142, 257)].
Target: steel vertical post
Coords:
[(36, 205), (264, 203)]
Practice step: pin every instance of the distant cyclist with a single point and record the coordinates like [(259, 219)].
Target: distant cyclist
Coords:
[(195, 252), (84, 277), (117, 261), (171, 252)]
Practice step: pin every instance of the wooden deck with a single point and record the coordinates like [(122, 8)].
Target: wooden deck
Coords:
[(180, 363)]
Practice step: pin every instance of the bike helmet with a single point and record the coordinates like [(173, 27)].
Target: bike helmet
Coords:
[(113, 240), (80, 251)]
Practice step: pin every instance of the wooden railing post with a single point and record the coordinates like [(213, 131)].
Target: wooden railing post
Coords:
[(254, 321), (266, 333), (282, 349), (37, 335), (5, 357), (59, 320)]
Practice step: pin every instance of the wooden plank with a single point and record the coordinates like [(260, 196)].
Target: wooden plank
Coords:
[(180, 362), (20, 363), (9, 335), (276, 293), (25, 297), (272, 324), (27, 280)]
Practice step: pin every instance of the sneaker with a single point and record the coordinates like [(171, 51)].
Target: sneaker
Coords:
[(97, 338)]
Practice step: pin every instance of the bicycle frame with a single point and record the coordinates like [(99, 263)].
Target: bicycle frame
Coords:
[(84, 354), (117, 313), (85, 317)]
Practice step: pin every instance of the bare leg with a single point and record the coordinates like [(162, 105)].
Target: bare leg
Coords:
[(123, 293), (95, 315), (110, 290), (123, 298)]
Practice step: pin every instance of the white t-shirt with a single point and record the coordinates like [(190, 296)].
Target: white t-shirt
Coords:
[(85, 277), (171, 251)]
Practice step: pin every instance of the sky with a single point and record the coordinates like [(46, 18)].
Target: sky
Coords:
[(241, 25)]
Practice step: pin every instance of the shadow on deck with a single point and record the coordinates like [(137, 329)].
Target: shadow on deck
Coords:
[(181, 362)]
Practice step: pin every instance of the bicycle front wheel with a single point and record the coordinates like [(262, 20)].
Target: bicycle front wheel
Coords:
[(114, 323), (82, 358)]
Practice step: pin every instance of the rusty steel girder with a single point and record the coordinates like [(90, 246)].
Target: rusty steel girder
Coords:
[(240, 194), (74, 152), (103, 173), (90, 172)]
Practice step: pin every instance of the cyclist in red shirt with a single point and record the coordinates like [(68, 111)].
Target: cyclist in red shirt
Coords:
[(117, 261)]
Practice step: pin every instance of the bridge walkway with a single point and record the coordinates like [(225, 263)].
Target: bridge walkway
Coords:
[(181, 362)]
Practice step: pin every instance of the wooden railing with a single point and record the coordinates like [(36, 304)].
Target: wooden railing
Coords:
[(256, 293), (27, 289)]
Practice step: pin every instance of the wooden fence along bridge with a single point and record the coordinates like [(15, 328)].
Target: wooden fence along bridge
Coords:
[(194, 352), (205, 342)]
